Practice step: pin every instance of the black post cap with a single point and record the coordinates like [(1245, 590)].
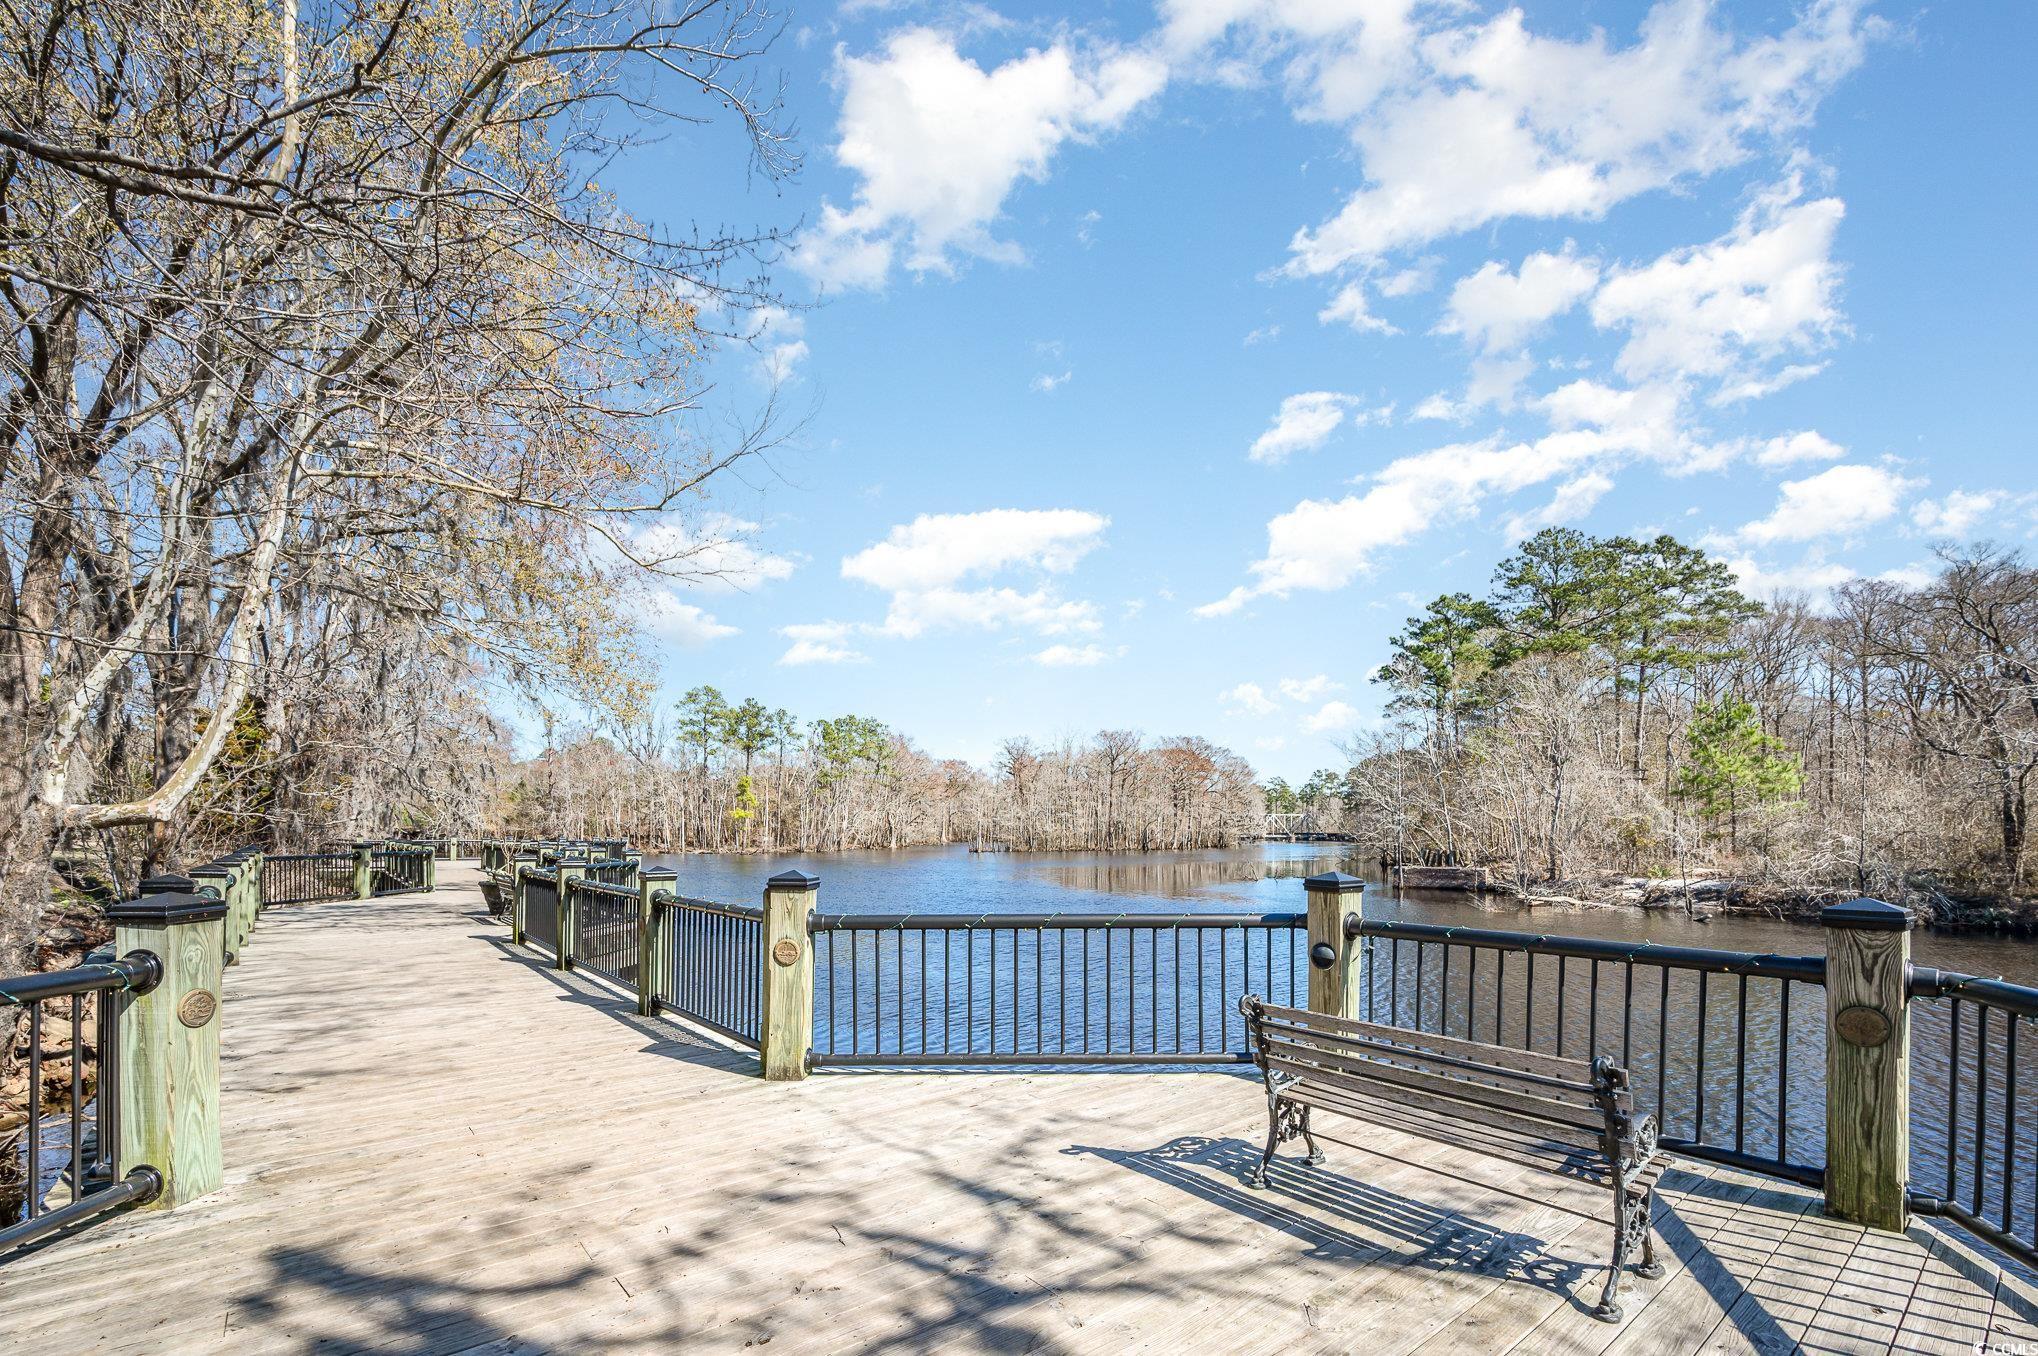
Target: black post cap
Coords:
[(180, 906), (168, 883), (794, 880), (1335, 883), (1865, 915), (658, 873)]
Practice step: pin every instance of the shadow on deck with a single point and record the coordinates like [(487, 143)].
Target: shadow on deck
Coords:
[(437, 1144)]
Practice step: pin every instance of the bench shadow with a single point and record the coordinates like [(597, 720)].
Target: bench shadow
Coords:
[(1348, 1220)]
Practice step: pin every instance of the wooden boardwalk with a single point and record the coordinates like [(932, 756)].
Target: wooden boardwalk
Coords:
[(435, 1145)]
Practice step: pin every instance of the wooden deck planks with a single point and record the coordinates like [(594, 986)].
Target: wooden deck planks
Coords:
[(436, 1145)]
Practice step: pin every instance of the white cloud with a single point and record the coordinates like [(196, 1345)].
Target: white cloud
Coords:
[(1350, 306), (819, 643), (1573, 500), (716, 553), (1836, 502), (1309, 689), (1406, 282), (1755, 386), (1765, 288), (780, 344), (1250, 698), (1324, 544), (1332, 718), (938, 144), (937, 549), (1495, 381), (1459, 124), (1262, 335), (922, 564), (1305, 422), (1271, 744), (1047, 382), (1495, 309), (1071, 656), (1440, 407), (1814, 576), (1807, 445), (916, 611), (1956, 514), (665, 615)]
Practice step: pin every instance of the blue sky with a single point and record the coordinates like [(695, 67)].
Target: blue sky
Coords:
[(1159, 360)]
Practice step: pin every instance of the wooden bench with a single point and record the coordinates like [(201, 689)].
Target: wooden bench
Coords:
[(1511, 1104)]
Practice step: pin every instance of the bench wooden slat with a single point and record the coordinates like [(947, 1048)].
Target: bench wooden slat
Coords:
[(1561, 1067), (1443, 1063), (1585, 1163), (1517, 1099), (1390, 1111), (1454, 1106)]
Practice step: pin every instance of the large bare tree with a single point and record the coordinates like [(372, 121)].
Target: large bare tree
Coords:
[(326, 345)]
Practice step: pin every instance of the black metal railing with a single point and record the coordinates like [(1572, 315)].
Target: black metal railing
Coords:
[(604, 929), (710, 964), (541, 909), (1723, 1046), (1973, 1125), (613, 871), (75, 1153), (307, 877), (934, 989), (398, 870)]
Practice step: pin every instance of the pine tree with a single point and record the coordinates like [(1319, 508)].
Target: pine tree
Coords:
[(1734, 763)]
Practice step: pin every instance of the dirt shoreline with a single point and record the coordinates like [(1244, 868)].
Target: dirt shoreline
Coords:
[(1934, 908)]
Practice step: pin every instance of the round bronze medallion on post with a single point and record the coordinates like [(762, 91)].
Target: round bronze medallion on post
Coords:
[(785, 951), (196, 1008), (1862, 1025)]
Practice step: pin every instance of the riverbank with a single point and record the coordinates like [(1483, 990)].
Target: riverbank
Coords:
[(1709, 896)]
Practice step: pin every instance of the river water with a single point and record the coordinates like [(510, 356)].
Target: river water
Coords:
[(1684, 1037), (1257, 878)]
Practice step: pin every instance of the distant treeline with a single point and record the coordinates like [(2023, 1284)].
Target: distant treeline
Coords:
[(742, 776)]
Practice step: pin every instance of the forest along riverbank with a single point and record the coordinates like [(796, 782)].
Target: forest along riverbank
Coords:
[(1708, 896), (1258, 878)]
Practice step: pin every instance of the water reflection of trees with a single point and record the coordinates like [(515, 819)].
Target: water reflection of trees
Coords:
[(1182, 877)]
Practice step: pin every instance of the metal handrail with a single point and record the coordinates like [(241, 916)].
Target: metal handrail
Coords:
[(136, 972), (1766, 965), (94, 1192), (843, 922), (666, 899), (1924, 981)]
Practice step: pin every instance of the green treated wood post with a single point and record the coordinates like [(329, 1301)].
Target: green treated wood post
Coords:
[(567, 872), (258, 861), (1334, 957), (651, 922), (169, 1039), (431, 869), (785, 1020), (519, 863), (217, 882), (364, 870), (1868, 1063), (244, 901)]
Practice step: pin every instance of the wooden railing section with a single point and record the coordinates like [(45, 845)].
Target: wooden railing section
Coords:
[(153, 1138)]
